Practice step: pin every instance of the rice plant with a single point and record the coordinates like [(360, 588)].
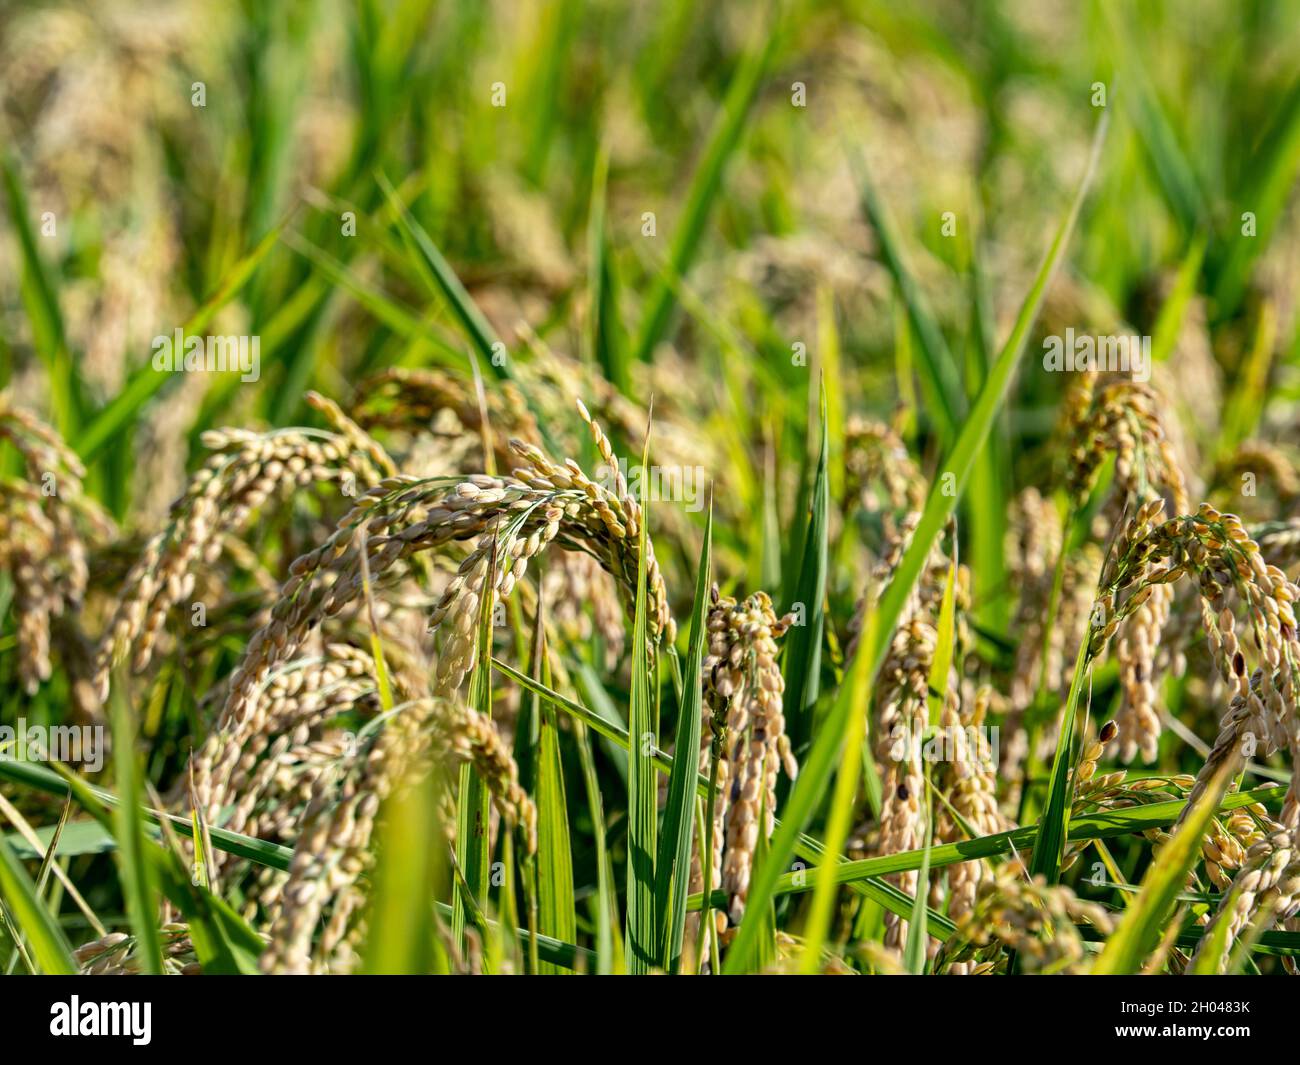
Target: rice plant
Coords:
[(543, 488)]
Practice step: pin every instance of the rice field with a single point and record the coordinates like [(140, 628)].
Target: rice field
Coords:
[(519, 487)]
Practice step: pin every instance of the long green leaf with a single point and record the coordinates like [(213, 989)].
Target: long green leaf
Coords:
[(271, 855), (1279, 944), (1140, 928), (49, 944), (803, 654), (556, 915), (938, 508), (1169, 322), (1049, 847), (706, 186), (400, 936), (40, 299), (914, 950), (609, 952), (956, 468), (938, 367), (805, 846), (1134, 820), (642, 792), (762, 918), (398, 317), (1173, 169), (986, 501), (139, 882), (605, 328), (1212, 955), (548, 949), (855, 694), (673, 868), (1271, 176), (442, 279), (223, 942), (941, 664)]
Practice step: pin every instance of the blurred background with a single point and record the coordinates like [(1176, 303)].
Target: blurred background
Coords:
[(717, 207), (982, 110)]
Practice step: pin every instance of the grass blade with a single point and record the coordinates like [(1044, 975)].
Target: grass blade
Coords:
[(986, 502), (674, 863), (49, 945), (1173, 170), (1139, 929), (609, 948), (705, 187), (40, 300), (938, 367), (396, 316), (1085, 827), (1169, 322), (914, 952), (941, 664), (442, 280), (1272, 175), (852, 701), (608, 344), (27, 843), (556, 911), (957, 467), (642, 795), (814, 776), (1049, 846), (763, 919), (805, 846), (803, 653), (139, 882), (1210, 958), (823, 756), (401, 936)]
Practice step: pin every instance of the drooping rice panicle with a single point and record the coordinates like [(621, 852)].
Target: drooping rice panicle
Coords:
[(245, 470), (46, 522), (1124, 419), (743, 691), (811, 242), (332, 850), (514, 516), (1035, 920)]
